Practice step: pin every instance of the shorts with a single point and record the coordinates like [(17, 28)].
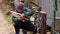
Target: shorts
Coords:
[(24, 25)]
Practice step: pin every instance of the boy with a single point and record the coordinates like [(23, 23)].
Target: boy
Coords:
[(23, 20)]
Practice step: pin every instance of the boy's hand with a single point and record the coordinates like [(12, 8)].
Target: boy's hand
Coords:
[(22, 15), (24, 18), (8, 13)]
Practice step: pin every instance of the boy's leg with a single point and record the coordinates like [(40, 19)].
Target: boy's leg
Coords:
[(17, 25), (30, 27), (24, 31), (16, 29)]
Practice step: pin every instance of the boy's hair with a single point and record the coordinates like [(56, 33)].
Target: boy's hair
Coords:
[(19, 3), (20, 6)]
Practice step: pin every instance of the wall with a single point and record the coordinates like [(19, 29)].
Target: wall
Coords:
[(47, 5)]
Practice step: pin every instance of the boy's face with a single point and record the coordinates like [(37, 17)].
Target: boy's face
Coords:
[(20, 10)]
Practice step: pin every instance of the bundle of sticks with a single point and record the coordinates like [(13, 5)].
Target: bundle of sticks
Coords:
[(19, 15)]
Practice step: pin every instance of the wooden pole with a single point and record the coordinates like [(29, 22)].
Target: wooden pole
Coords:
[(43, 26)]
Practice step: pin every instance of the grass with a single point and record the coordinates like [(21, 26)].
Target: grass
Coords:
[(9, 20)]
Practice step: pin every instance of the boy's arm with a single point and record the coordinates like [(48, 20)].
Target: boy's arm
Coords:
[(8, 13), (29, 13)]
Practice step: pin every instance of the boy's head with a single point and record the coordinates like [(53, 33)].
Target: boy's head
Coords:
[(18, 3), (20, 8)]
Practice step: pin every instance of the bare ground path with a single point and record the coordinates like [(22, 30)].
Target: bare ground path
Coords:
[(5, 28)]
